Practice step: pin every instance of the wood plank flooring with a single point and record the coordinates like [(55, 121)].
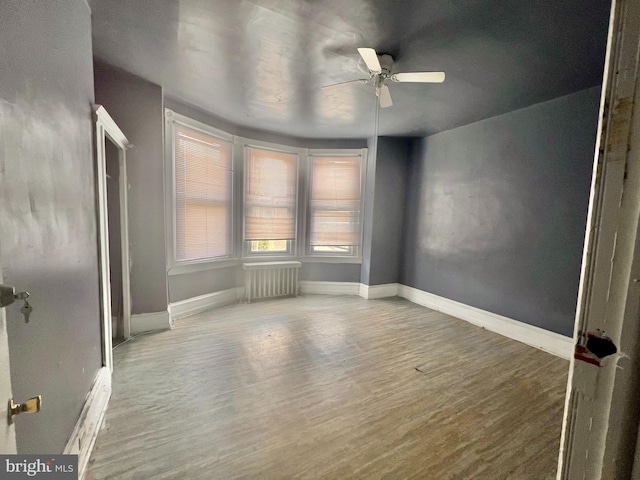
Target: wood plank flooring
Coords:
[(330, 388)]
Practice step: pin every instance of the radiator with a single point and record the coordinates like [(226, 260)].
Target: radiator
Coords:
[(270, 279)]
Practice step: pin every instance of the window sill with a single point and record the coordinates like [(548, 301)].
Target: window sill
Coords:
[(266, 257), (184, 268), (330, 259)]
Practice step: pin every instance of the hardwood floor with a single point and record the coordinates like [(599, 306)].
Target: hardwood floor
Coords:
[(330, 387)]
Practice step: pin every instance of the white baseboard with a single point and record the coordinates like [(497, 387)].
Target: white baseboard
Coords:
[(534, 336), (371, 292), (84, 435), (329, 288), (146, 322), (368, 292), (194, 305)]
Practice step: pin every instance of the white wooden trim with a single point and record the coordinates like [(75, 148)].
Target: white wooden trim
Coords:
[(110, 126), (329, 288), (242, 144), (188, 122), (318, 258), (187, 268), (7, 430), (103, 253), (84, 435), (123, 187), (601, 401), (106, 128), (198, 266), (537, 337), (263, 265), (371, 292), (171, 119), (194, 305), (305, 204), (146, 322)]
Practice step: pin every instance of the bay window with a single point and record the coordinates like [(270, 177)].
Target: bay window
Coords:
[(287, 202)]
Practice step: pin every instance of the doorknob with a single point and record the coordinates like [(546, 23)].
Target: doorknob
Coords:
[(32, 405)]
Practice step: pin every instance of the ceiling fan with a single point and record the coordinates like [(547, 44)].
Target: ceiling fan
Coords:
[(380, 71)]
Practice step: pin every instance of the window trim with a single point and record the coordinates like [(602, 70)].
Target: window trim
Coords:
[(242, 144), (175, 266), (310, 255)]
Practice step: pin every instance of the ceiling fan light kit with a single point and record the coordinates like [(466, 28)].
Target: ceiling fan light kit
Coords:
[(380, 70)]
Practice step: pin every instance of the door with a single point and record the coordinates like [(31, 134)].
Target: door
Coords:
[(7, 432), (600, 428)]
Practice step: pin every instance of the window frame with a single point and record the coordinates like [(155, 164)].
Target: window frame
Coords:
[(242, 144), (175, 266), (355, 254)]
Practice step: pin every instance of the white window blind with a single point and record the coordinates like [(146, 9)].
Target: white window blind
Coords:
[(270, 195), (203, 190), (335, 201)]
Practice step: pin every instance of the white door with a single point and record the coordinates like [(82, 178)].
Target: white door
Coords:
[(600, 426), (7, 432)]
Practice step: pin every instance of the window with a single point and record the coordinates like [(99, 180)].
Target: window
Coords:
[(271, 179), (269, 246), (335, 205), (215, 218), (203, 170)]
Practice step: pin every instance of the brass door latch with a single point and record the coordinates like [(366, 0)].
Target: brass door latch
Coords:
[(32, 405)]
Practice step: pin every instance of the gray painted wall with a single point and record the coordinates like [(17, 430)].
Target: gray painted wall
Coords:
[(330, 272), (367, 217), (189, 285), (385, 254), (136, 106), (496, 211), (48, 242)]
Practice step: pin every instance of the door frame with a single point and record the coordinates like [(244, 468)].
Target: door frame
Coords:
[(7, 431), (600, 425), (106, 129)]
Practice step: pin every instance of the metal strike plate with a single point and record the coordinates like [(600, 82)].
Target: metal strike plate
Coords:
[(32, 405)]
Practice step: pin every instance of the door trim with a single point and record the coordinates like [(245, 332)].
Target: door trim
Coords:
[(85, 433), (600, 409), (7, 431), (106, 128)]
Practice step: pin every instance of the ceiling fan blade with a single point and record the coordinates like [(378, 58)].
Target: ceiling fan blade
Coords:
[(370, 57), (422, 77), (341, 84), (385, 97)]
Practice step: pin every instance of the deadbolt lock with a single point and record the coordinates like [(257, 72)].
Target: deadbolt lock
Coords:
[(32, 405)]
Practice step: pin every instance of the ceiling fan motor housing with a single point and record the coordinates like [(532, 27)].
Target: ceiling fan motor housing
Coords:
[(386, 63)]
